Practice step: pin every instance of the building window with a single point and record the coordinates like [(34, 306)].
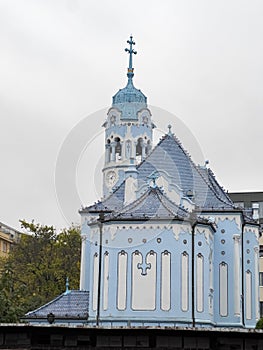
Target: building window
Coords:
[(4, 247), (261, 251), (261, 309), (261, 279)]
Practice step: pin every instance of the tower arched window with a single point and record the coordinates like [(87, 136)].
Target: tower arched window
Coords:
[(108, 151), (118, 148), (139, 149)]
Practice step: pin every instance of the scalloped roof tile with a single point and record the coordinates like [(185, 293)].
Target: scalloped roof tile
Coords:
[(73, 304)]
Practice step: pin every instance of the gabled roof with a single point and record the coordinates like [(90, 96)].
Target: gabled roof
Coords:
[(73, 304), (152, 204), (169, 157)]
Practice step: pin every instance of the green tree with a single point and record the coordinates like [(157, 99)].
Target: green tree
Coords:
[(259, 324), (36, 269)]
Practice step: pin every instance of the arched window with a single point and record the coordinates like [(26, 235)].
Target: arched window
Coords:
[(118, 148), (139, 149)]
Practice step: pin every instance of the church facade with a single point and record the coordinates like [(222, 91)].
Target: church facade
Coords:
[(165, 246)]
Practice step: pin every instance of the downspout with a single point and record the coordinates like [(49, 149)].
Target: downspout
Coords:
[(242, 276), (193, 225), (100, 224)]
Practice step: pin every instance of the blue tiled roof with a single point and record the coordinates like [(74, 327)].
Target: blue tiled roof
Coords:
[(152, 204), (169, 157), (71, 305)]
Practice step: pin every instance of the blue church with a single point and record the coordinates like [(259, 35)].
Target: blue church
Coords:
[(165, 246)]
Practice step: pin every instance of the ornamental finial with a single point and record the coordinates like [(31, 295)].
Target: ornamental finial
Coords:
[(67, 286), (152, 178), (130, 51)]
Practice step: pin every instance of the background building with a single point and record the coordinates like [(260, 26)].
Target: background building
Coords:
[(8, 236), (253, 204)]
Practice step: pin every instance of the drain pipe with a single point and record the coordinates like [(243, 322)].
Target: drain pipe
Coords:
[(100, 224), (242, 277), (193, 225)]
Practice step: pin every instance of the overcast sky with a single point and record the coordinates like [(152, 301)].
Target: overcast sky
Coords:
[(61, 61)]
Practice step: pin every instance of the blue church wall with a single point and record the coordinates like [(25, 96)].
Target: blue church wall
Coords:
[(251, 303), (228, 257), (204, 242), (211, 250), (174, 240), (224, 259)]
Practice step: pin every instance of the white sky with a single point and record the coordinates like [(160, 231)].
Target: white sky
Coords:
[(61, 61)]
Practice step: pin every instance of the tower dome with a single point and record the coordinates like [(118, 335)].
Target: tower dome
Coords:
[(129, 100)]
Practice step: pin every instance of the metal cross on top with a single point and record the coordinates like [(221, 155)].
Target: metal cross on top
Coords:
[(130, 51)]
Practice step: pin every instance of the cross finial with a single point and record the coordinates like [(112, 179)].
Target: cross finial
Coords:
[(169, 128), (130, 51)]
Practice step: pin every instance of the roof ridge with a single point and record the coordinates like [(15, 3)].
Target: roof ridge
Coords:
[(211, 173), (212, 188)]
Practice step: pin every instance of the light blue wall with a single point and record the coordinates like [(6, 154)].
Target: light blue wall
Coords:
[(175, 316), (206, 242)]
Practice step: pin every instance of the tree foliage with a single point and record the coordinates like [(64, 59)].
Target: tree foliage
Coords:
[(259, 324), (36, 269)]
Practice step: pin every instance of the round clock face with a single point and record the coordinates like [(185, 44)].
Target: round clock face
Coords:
[(111, 178)]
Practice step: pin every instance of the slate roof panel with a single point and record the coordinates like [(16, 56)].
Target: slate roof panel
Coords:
[(73, 304), (152, 204)]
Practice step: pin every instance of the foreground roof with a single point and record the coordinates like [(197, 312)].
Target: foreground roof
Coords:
[(72, 304)]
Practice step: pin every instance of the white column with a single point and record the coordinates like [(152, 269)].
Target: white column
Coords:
[(166, 281), (236, 275), (122, 280), (83, 266), (113, 151), (200, 283), (106, 281), (133, 149), (143, 149), (184, 283), (223, 289), (95, 281), (248, 295)]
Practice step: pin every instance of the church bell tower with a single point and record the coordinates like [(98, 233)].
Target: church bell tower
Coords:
[(128, 131)]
